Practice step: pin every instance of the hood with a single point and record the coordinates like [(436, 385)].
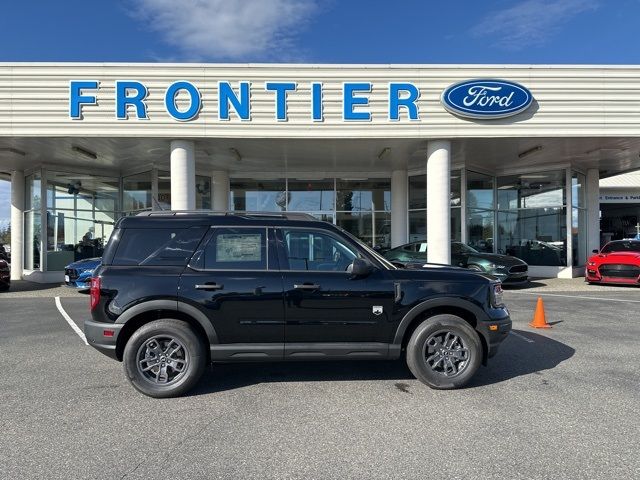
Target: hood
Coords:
[(87, 263), (431, 271), (615, 256), (498, 259)]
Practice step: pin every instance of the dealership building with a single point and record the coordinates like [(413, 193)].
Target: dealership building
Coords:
[(505, 158)]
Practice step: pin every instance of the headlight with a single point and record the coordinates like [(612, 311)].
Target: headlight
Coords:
[(496, 295), (591, 264), (490, 266)]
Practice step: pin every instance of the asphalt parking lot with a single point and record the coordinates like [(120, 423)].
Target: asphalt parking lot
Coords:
[(559, 403)]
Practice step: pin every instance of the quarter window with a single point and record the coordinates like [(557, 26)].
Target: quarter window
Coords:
[(157, 246)]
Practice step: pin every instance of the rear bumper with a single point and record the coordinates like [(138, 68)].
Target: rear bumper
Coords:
[(95, 333)]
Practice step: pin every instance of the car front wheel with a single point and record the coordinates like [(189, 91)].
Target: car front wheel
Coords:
[(444, 352), (164, 358)]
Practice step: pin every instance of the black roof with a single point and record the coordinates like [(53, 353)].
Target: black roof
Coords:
[(186, 219)]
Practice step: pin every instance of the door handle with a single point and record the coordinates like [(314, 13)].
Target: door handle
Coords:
[(210, 286), (306, 286)]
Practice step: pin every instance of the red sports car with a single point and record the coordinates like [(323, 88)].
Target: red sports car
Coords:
[(617, 262)]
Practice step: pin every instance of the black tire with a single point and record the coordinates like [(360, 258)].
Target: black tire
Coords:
[(438, 374), (142, 353)]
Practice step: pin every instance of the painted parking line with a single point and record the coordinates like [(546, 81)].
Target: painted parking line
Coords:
[(70, 321), (543, 294), (521, 337)]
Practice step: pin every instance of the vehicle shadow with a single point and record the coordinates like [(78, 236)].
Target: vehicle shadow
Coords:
[(521, 354), (223, 377), (524, 286)]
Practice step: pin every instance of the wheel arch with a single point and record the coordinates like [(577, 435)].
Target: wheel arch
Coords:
[(459, 307), (143, 313)]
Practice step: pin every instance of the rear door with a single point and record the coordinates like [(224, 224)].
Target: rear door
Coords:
[(234, 279)]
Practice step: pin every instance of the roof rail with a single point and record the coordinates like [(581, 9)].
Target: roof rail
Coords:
[(247, 214)]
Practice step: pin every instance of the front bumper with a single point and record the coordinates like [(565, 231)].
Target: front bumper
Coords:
[(512, 278), (95, 333), (495, 330), (593, 275)]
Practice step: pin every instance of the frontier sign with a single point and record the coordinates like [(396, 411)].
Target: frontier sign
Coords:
[(183, 100)]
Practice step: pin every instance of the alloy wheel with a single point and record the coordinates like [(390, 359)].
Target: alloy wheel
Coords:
[(446, 353), (162, 360)]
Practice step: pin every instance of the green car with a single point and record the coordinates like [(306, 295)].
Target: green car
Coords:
[(510, 270)]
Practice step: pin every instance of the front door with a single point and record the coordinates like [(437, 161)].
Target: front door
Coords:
[(324, 302), (235, 280)]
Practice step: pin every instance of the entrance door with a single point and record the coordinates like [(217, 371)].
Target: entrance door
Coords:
[(235, 280), (324, 302)]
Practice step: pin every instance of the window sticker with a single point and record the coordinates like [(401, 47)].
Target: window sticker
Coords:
[(234, 247)]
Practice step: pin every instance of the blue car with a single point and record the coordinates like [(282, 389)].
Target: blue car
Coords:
[(78, 274)]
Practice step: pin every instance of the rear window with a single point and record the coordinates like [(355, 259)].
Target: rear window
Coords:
[(157, 246)]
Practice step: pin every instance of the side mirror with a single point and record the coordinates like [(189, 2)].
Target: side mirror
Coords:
[(360, 267), (595, 251)]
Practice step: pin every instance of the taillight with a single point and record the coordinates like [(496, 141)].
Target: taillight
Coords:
[(94, 292)]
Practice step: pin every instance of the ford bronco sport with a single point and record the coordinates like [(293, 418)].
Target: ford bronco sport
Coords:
[(179, 290)]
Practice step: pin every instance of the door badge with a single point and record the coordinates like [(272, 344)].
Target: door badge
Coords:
[(377, 309)]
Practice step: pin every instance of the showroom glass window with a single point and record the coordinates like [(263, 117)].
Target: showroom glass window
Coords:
[(418, 206), (32, 221), (203, 191), (578, 219), (363, 208), (137, 193), (532, 222), (316, 197), (81, 212), (480, 211), (258, 195)]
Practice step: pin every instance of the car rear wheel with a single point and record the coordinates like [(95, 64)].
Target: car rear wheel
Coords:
[(164, 358), (444, 352)]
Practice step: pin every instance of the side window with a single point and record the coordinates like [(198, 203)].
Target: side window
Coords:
[(237, 249), (157, 246), (313, 250), (422, 248)]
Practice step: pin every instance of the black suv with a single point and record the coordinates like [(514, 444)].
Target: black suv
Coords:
[(178, 290)]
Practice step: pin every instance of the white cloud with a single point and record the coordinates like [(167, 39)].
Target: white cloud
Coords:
[(229, 29), (530, 22)]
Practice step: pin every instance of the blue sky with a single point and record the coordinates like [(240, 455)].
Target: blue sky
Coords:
[(320, 31)]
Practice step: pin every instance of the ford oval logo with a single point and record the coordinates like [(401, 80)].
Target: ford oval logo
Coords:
[(486, 98)]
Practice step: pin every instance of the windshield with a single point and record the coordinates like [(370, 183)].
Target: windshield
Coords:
[(621, 246), (457, 247), (387, 264)]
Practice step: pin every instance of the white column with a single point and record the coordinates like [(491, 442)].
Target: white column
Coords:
[(220, 188), (593, 210), (399, 208), (438, 201), (183, 175), (17, 224)]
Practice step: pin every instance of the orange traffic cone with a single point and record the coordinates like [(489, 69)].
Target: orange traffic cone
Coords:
[(539, 318)]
